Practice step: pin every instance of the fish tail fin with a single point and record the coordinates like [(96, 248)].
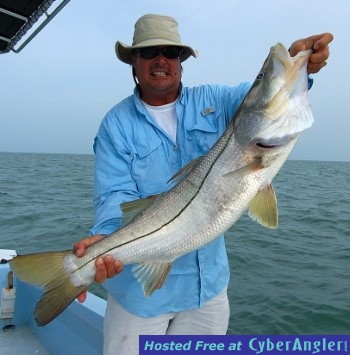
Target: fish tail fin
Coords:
[(47, 270)]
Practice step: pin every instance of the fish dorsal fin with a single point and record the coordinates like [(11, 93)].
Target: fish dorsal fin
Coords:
[(183, 172), (131, 209), (151, 275), (263, 208)]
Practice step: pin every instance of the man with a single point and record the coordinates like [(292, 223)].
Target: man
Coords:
[(141, 143)]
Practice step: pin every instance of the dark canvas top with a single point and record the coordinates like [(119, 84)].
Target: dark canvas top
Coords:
[(17, 17)]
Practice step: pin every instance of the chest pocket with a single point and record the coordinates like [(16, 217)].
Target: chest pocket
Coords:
[(149, 167), (205, 131)]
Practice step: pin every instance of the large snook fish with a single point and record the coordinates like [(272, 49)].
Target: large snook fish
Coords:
[(211, 194)]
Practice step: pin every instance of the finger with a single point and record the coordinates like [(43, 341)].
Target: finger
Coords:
[(302, 45), (118, 266), (113, 267), (315, 42), (322, 41), (297, 47), (79, 248), (101, 270), (317, 61), (107, 267), (315, 68), (82, 297), (319, 57), (109, 262)]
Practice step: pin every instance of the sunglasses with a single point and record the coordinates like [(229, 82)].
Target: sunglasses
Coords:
[(170, 52)]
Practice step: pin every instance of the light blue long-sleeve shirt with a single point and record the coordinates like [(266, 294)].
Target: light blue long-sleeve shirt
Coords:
[(134, 159)]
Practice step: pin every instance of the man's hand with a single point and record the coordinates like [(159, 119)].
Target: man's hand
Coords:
[(106, 267), (319, 45)]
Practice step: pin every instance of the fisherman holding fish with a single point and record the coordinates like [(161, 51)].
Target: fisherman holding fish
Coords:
[(141, 144)]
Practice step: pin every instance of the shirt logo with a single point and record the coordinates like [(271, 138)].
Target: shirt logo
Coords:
[(208, 110)]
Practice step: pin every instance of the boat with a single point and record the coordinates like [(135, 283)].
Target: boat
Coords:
[(78, 330), (20, 21)]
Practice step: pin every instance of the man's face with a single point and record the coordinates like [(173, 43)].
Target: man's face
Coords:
[(159, 77)]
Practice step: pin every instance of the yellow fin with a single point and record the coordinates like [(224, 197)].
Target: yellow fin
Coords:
[(131, 209), (263, 208), (247, 169), (46, 270), (151, 275)]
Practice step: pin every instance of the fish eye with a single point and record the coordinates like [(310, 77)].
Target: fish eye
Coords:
[(260, 76)]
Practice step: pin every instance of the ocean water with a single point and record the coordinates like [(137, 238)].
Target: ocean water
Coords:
[(291, 280)]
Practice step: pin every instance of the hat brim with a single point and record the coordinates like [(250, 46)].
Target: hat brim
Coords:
[(124, 52)]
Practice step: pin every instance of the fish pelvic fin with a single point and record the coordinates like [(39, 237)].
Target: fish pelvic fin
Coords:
[(151, 275), (46, 270), (263, 208)]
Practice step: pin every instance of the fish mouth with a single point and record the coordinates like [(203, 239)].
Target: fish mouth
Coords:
[(274, 142), (266, 146), (276, 109)]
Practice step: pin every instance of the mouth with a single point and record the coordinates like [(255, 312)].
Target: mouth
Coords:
[(159, 74)]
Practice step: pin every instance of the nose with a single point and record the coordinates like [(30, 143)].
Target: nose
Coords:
[(161, 57)]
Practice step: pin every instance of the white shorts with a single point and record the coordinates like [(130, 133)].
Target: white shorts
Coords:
[(122, 329)]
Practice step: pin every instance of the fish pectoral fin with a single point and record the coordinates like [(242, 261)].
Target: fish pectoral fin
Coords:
[(151, 275), (47, 270), (182, 173), (247, 169), (263, 208), (132, 208)]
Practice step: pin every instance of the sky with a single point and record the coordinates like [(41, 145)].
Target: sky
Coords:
[(55, 92)]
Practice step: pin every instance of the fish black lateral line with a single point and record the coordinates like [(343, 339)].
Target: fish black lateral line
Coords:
[(209, 196)]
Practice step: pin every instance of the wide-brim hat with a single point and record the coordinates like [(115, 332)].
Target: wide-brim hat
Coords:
[(153, 30)]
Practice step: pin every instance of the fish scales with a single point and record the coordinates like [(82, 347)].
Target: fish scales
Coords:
[(209, 196)]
